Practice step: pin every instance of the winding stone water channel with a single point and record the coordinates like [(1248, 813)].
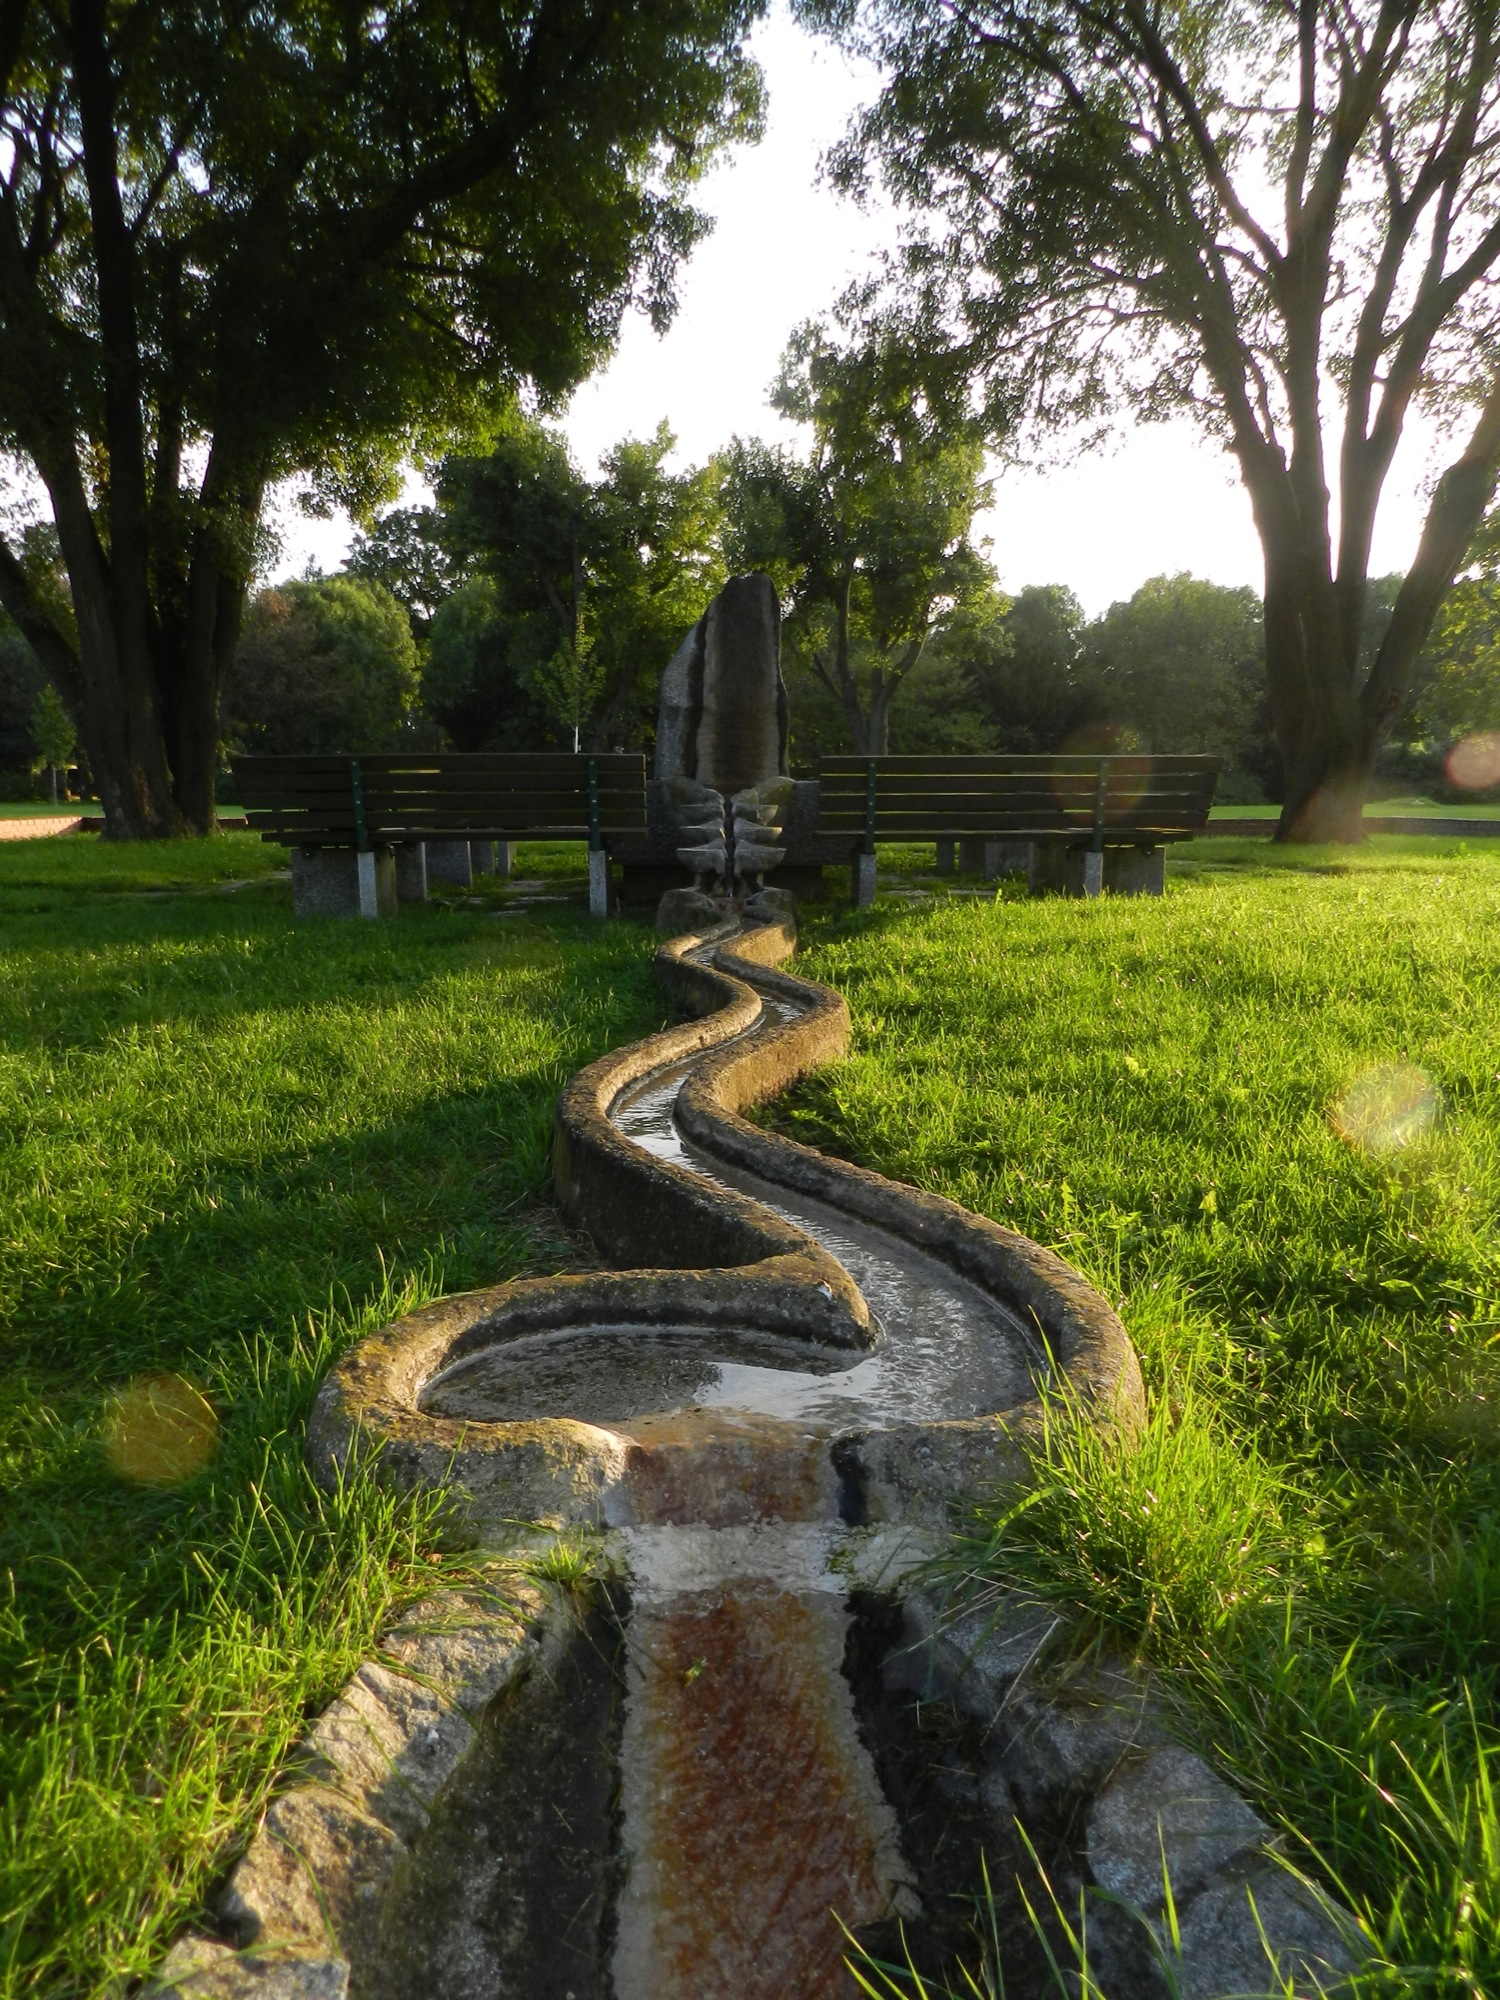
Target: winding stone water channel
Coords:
[(750, 1806), (802, 1372)]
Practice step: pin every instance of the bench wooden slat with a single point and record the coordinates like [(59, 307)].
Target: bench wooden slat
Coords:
[(1067, 786), (292, 766), (999, 764), (306, 833), (282, 816), (1066, 798), (1003, 823), (473, 829), (616, 764), (496, 821), (453, 805), (1119, 832), (309, 800), (457, 789)]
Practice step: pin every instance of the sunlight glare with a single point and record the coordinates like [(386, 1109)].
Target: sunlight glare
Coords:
[(1387, 1107), (1475, 763), (159, 1430)]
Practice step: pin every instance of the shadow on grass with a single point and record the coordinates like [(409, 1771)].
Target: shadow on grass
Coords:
[(250, 1285), (245, 1228), (206, 959)]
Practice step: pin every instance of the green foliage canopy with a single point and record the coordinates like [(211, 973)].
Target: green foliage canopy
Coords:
[(1024, 663), (52, 729), (594, 580), (1283, 218), (867, 537), (407, 551), (1457, 693), (325, 665), (1177, 665), (473, 684), (240, 243)]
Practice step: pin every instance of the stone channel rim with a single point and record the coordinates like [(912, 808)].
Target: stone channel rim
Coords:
[(768, 1277), (331, 1879)]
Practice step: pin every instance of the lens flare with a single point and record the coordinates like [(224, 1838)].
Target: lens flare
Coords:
[(1075, 791), (1387, 1107), (159, 1430), (1475, 763)]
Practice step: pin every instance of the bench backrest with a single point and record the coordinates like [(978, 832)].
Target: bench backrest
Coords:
[(377, 800), (1095, 800)]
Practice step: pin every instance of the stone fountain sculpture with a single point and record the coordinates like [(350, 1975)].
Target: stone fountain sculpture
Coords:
[(720, 792), (721, 717), (769, 1442)]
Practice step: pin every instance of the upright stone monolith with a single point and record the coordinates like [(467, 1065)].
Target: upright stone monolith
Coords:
[(721, 805), (722, 714)]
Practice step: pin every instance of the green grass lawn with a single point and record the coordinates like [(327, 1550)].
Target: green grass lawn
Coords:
[(41, 809), (1410, 807), (233, 1143), (1263, 1115)]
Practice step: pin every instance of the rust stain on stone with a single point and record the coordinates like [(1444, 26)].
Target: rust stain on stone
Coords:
[(722, 1468), (762, 1819)]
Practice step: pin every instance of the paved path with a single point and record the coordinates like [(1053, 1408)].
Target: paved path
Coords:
[(33, 829)]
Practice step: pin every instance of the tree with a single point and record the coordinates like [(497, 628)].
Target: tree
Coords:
[(324, 666), (1281, 216), (868, 537), (21, 681), (22, 675), (53, 734), (1177, 666), (597, 579), (241, 242), (1458, 685), (1455, 705), (407, 552), (472, 683), (1026, 664)]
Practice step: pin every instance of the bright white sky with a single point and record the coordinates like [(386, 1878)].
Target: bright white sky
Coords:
[(781, 252)]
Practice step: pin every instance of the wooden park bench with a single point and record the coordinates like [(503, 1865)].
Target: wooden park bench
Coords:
[(1075, 823), (363, 829)]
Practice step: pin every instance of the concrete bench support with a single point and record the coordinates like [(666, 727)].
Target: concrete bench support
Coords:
[(598, 882), (337, 882), (1135, 871), (482, 857), (505, 859), (451, 861), (947, 851), (1123, 871), (991, 858), (411, 871), (863, 881)]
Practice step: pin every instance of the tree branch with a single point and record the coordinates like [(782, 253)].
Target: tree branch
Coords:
[(47, 640), (1160, 64), (1458, 505)]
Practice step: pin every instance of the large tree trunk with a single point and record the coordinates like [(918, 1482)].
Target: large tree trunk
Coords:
[(149, 714), (1326, 788), (145, 689), (1327, 751), (118, 711)]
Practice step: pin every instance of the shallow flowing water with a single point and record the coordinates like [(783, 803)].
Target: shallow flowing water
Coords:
[(751, 1816), (946, 1349)]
